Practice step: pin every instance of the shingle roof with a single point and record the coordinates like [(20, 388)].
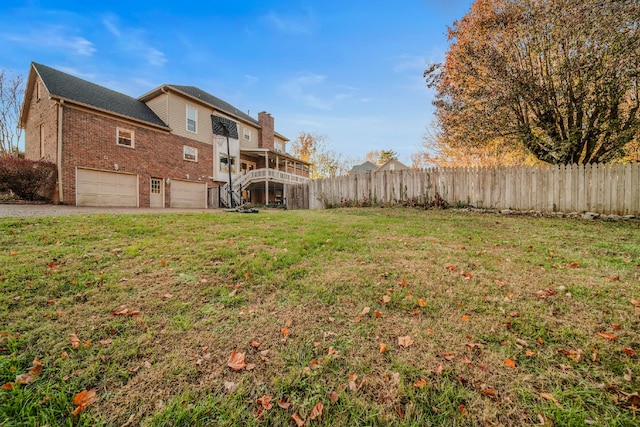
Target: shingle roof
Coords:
[(216, 102), (365, 167), (72, 88)]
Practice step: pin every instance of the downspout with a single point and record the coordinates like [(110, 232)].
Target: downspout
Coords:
[(60, 192)]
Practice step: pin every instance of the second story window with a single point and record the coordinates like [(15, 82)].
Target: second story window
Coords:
[(192, 118), (124, 138), (247, 134)]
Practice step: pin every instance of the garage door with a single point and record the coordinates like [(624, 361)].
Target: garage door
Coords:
[(98, 188), (186, 194)]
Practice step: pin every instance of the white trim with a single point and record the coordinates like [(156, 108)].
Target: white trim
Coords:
[(184, 153), (131, 138)]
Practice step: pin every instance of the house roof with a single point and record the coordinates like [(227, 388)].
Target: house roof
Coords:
[(395, 162), (365, 167), (73, 89), (214, 101)]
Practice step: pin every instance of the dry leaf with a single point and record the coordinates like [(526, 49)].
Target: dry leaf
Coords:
[(510, 363), (420, 383), (377, 314), (466, 275), (7, 386), (265, 401), (438, 369), (365, 311), (299, 421), (230, 386), (236, 361), (255, 344), (449, 356), (608, 336), (629, 351), (64, 355), (529, 353), (405, 341), (549, 396), (422, 302), (32, 374), (75, 342), (333, 397), (465, 318), (490, 392), (316, 412), (167, 296), (451, 267), (284, 404), (285, 332), (383, 347), (386, 299), (83, 399)]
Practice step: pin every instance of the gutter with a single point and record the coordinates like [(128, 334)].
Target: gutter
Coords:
[(60, 192)]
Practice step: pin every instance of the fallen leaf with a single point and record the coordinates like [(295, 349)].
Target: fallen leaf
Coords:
[(462, 410), (438, 369), (608, 336), (255, 344), (510, 363), (549, 396), (490, 392), (284, 404), (449, 356), (75, 342), (236, 361), (465, 318), (230, 386), (7, 386), (383, 347), (420, 383), (629, 351), (299, 421), (333, 397), (405, 341), (377, 314), (106, 342), (285, 332), (573, 265), (265, 401), (122, 312), (422, 302), (64, 355), (83, 399), (616, 326), (627, 376), (167, 296), (529, 353), (467, 275), (365, 311), (316, 412), (386, 299), (32, 374), (451, 267)]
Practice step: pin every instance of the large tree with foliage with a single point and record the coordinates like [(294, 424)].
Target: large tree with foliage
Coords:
[(11, 93), (313, 148), (557, 77)]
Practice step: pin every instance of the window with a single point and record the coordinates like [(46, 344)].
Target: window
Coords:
[(192, 118), (37, 90), (224, 163), (247, 134), (392, 167), (156, 186), (124, 138), (190, 153)]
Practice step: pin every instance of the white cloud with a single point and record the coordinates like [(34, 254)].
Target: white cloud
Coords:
[(132, 40), (302, 24), (55, 38), (302, 89)]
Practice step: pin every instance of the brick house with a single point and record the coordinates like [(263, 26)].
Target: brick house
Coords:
[(158, 150)]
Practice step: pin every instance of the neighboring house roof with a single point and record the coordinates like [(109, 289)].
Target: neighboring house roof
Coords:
[(398, 165), (365, 167), (73, 89)]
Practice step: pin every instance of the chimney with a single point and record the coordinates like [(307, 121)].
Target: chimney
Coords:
[(265, 134)]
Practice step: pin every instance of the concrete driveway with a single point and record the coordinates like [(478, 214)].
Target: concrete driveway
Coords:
[(26, 210)]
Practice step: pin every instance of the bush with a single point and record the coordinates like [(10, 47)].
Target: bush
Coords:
[(28, 179)]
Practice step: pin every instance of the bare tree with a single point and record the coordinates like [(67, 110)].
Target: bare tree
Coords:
[(11, 93), (313, 148)]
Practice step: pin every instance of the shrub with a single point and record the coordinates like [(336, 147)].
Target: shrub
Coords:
[(28, 179)]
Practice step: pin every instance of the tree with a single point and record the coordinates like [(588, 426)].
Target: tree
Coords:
[(11, 94), (437, 151), (380, 157), (313, 148), (556, 77)]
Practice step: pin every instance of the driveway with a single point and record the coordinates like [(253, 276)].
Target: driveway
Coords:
[(26, 210)]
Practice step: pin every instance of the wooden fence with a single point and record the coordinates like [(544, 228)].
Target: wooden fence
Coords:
[(600, 188)]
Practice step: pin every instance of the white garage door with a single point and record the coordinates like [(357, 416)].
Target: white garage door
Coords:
[(98, 188), (186, 194)]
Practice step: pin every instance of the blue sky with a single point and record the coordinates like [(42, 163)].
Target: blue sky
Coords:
[(351, 70)]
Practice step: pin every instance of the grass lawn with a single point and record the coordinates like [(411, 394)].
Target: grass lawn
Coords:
[(340, 317)]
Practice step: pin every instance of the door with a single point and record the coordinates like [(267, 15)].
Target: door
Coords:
[(101, 188), (188, 194), (156, 196)]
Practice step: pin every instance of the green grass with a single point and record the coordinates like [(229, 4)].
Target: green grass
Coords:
[(204, 284)]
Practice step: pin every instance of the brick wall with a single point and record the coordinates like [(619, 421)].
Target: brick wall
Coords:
[(89, 140), (266, 131), (42, 111)]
